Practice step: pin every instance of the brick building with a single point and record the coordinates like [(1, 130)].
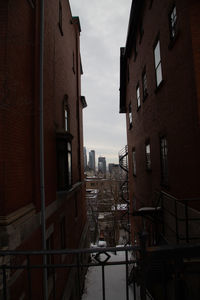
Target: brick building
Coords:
[(160, 94), (20, 186)]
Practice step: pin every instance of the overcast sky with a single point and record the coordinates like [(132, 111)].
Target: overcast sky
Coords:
[(104, 26)]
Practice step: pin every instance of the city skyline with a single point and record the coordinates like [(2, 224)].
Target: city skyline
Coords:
[(87, 155)]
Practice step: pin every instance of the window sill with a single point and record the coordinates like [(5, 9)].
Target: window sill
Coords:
[(157, 89), (70, 189)]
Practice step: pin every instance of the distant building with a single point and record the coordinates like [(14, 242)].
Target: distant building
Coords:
[(102, 164), (91, 163), (85, 157)]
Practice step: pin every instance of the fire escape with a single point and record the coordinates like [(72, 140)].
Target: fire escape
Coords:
[(124, 196)]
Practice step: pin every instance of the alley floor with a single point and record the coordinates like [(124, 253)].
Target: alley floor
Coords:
[(115, 282)]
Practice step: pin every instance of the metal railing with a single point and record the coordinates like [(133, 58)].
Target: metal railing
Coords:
[(180, 217), (27, 266)]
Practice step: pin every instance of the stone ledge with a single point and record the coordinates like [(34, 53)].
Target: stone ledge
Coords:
[(19, 215)]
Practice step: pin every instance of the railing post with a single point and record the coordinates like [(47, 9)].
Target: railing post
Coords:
[(186, 222), (143, 240), (79, 276), (127, 290), (4, 283), (103, 282), (29, 278), (176, 221)]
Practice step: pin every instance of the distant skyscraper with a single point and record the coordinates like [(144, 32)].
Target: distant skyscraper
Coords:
[(85, 157), (91, 162), (102, 164)]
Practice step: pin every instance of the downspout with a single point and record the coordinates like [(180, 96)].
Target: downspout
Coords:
[(42, 187)]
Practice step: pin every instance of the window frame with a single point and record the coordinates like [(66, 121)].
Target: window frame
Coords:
[(64, 161), (158, 65), (60, 18), (144, 84), (173, 31), (148, 156), (164, 160), (138, 96), (130, 115), (66, 117)]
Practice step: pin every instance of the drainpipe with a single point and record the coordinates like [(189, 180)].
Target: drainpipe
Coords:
[(42, 187)]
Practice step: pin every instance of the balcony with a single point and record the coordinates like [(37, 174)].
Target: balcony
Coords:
[(131, 272)]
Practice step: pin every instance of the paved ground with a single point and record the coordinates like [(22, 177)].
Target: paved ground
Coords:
[(115, 282)]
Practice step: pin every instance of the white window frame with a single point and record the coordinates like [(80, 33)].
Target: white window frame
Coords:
[(157, 61)]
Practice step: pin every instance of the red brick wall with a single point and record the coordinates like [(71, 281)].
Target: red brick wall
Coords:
[(16, 112), (170, 111)]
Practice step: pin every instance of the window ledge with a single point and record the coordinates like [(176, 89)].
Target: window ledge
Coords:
[(70, 189), (159, 87)]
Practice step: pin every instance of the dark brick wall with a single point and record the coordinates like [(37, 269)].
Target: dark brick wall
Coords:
[(19, 110), (16, 110), (170, 110)]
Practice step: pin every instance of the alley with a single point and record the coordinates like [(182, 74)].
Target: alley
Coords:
[(115, 282)]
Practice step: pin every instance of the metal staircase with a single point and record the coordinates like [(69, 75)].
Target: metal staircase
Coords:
[(124, 196)]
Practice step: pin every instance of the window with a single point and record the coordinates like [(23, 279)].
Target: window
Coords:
[(60, 18), (138, 96), (130, 116), (66, 119), (164, 160), (62, 233), (144, 84), (148, 156), (69, 164), (173, 23), (134, 162), (64, 161), (158, 67), (66, 114)]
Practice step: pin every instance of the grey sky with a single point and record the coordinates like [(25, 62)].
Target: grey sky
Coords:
[(104, 26)]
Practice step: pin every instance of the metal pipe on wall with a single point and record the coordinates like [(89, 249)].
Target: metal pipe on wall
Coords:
[(42, 185)]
